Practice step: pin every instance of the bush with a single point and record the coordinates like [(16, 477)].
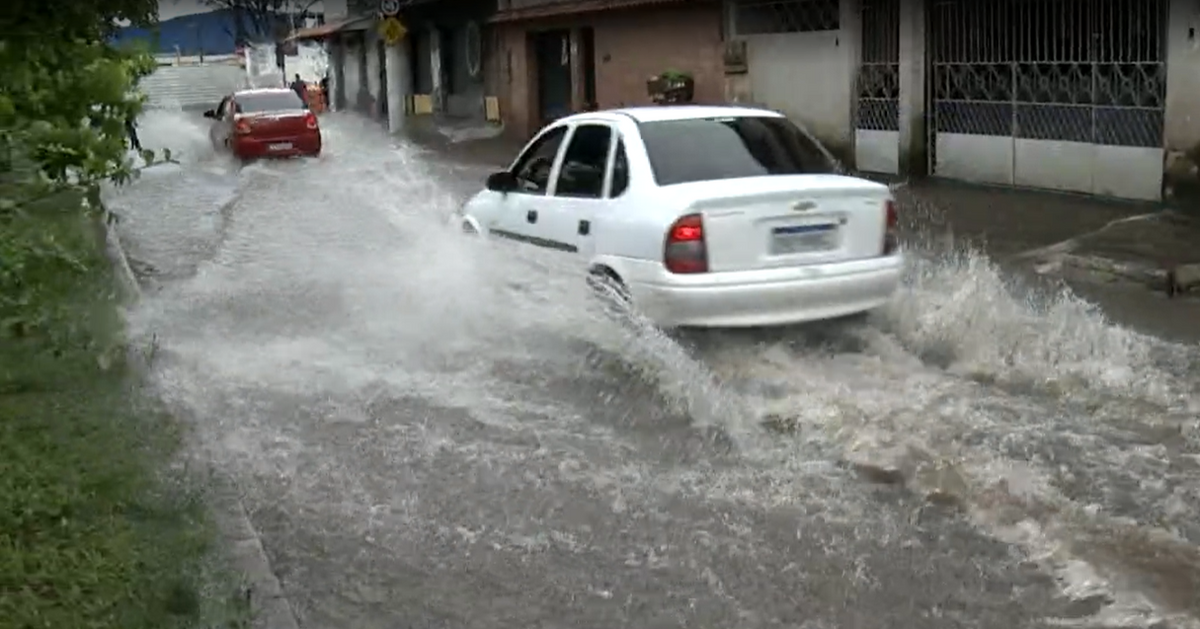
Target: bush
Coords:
[(94, 532)]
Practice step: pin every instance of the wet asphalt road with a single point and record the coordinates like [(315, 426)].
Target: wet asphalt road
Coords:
[(437, 432)]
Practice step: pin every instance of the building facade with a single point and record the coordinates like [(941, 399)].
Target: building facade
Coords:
[(1089, 96), (1083, 96), (556, 57)]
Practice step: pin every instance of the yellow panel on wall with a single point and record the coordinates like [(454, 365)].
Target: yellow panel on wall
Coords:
[(422, 104), (491, 108)]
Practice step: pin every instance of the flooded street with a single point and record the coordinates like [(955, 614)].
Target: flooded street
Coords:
[(432, 431)]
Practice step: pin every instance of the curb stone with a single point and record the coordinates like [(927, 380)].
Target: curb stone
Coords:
[(269, 606)]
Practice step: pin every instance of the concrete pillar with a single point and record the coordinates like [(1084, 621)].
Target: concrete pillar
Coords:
[(577, 70), (737, 81), (399, 85), (337, 74), (850, 39), (435, 69), (914, 154), (1181, 179)]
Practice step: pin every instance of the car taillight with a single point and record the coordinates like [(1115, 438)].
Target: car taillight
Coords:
[(685, 251), (241, 127), (891, 236), (310, 120)]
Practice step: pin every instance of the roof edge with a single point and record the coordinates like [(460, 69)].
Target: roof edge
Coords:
[(576, 7)]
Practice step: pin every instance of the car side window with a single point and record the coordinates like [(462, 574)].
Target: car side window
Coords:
[(534, 166), (620, 171), (582, 171)]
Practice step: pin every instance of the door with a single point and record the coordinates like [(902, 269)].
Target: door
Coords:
[(587, 56), (381, 51), (363, 98), (520, 216), (553, 54), (218, 132), (582, 190)]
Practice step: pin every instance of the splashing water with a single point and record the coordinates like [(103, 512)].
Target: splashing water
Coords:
[(353, 360)]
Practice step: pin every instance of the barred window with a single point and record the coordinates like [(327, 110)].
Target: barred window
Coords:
[(759, 17)]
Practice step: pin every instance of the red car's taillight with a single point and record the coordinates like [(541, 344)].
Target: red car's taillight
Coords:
[(241, 127), (310, 120), (685, 250), (891, 225)]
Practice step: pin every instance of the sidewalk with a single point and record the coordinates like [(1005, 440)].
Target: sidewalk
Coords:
[(475, 144), (1111, 253), (1141, 239)]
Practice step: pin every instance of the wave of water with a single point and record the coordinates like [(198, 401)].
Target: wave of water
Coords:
[(1048, 427)]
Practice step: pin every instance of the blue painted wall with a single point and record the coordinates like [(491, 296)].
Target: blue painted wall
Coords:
[(209, 33)]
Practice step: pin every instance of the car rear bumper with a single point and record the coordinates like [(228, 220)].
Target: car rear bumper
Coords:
[(247, 148), (768, 297)]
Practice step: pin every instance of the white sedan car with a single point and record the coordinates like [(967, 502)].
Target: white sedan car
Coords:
[(700, 216)]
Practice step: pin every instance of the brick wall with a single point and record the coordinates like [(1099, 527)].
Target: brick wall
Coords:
[(631, 46)]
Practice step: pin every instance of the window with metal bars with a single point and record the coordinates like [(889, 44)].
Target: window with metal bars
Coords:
[(760, 17)]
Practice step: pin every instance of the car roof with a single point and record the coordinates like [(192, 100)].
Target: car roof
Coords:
[(263, 90), (691, 112)]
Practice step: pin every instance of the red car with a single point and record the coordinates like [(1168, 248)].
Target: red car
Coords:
[(264, 123)]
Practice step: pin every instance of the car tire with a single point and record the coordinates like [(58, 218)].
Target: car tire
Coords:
[(611, 292)]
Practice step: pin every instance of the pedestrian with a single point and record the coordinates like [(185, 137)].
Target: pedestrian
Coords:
[(300, 88), (325, 92), (131, 131)]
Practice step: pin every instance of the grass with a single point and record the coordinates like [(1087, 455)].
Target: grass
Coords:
[(97, 528)]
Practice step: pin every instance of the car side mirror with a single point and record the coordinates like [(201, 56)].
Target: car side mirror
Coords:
[(210, 113), (503, 181)]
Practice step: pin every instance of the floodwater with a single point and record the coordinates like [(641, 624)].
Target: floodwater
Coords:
[(434, 431)]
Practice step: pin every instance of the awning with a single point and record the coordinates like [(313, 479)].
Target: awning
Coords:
[(330, 28), (572, 7)]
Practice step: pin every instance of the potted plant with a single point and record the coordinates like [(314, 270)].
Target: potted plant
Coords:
[(671, 87)]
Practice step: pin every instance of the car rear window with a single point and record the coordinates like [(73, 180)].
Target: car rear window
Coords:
[(707, 149), (268, 101)]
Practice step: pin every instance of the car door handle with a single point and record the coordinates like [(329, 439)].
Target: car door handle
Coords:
[(531, 216), (585, 227)]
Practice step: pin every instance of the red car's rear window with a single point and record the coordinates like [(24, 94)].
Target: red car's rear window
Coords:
[(259, 102)]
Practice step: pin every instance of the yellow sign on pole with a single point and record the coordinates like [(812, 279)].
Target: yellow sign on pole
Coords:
[(392, 30)]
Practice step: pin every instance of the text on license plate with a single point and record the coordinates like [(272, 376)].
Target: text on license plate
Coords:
[(280, 146), (803, 239)]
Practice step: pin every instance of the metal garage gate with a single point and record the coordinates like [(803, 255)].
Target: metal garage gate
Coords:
[(1058, 94), (877, 111)]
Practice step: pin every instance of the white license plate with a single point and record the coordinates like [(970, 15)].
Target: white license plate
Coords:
[(803, 239), (280, 146)]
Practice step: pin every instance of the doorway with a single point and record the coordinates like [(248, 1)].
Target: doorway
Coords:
[(383, 86), (552, 51)]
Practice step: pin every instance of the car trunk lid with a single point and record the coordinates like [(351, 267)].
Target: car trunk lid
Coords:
[(276, 124), (788, 220)]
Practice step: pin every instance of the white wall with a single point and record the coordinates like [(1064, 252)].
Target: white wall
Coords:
[(260, 66), (310, 62), (1182, 133), (333, 9), (807, 76)]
